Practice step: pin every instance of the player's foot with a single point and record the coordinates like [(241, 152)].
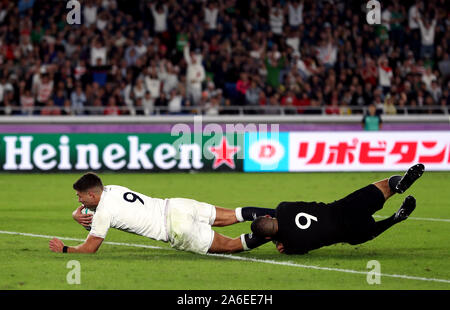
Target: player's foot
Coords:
[(408, 206), (409, 178)]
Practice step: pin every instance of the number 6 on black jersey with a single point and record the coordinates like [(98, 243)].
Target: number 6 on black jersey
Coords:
[(308, 217)]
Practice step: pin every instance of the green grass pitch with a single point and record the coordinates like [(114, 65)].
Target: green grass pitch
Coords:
[(414, 254)]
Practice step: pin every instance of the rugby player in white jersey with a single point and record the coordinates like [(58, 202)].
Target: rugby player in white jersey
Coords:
[(184, 223)]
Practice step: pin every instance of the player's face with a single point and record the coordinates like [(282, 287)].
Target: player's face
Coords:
[(87, 199)]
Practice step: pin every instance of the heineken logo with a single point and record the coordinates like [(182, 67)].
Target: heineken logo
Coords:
[(75, 152)]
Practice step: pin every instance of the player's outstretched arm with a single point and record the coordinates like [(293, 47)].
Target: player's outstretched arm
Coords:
[(84, 220), (91, 245)]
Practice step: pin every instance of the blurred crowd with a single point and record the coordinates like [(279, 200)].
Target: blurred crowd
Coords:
[(223, 57)]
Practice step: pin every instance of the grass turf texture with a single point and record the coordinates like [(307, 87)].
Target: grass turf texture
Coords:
[(42, 204)]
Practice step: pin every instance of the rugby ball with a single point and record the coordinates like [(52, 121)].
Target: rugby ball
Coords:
[(87, 211)]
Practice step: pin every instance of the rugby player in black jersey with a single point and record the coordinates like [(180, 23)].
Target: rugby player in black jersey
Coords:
[(299, 227)]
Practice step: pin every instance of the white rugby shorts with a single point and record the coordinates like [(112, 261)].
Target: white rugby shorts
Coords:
[(189, 224)]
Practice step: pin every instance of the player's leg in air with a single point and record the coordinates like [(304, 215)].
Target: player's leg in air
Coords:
[(399, 184), (407, 207), (395, 184)]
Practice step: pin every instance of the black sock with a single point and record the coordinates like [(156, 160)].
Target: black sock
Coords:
[(393, 181), (251, 213), (383, 225), (251, 241)]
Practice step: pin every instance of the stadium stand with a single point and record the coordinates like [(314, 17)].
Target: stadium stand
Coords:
[(223, 57)]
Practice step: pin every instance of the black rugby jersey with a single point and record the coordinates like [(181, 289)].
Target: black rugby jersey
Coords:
[(304, 226)]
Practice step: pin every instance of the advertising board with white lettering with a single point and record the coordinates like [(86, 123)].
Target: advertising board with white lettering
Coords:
[(348, 151), (120, 152), (249, 152)]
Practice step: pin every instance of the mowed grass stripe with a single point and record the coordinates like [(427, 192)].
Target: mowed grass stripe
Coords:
[(236, 257)]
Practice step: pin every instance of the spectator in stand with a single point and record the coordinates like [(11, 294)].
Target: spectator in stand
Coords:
[(210, 90), (90, 13), (333, 108), (252, 95), (262, 100), (385, 75), (153, 83), (302, 101), (195, 74), (27, 102), (174, 104), (161, 103), (139, 89), (50, 108), (168, 75), (413, 16), (290, 100), (111, 108), (295, 13), (273, 106), (78, 100), (428, 77), (369, 72), (59, 97), (389, 105), (148, 104), (160, 13), (131, 56), (430, 105), (398, 16), (293, 44), (211, 12), (44, 89), (276, 19), (427, 32), (67, 108), (275, 62), (435, 91), (242, 86), (97, 107), (212, 106), (126, 93), (98, 53), (327, 50), (80, 70), (139, 108)]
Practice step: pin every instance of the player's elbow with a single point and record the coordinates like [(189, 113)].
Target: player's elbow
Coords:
[(90, 250)]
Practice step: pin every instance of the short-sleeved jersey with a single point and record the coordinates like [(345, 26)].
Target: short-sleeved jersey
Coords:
[(304, 226), (130, 211)]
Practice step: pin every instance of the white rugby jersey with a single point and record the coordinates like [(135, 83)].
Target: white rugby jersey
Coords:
[(130, 211)]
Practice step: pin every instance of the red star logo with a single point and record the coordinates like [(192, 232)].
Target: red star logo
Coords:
[(224, 154)]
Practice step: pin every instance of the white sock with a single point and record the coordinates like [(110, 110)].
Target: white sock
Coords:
[(244, 244), (238, 213)]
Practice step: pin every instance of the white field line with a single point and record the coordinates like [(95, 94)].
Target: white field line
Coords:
[(235, 257), (418, 218), (82, 240)]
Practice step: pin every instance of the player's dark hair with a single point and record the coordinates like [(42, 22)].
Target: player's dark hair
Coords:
[(263, 226), (88, 181)]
